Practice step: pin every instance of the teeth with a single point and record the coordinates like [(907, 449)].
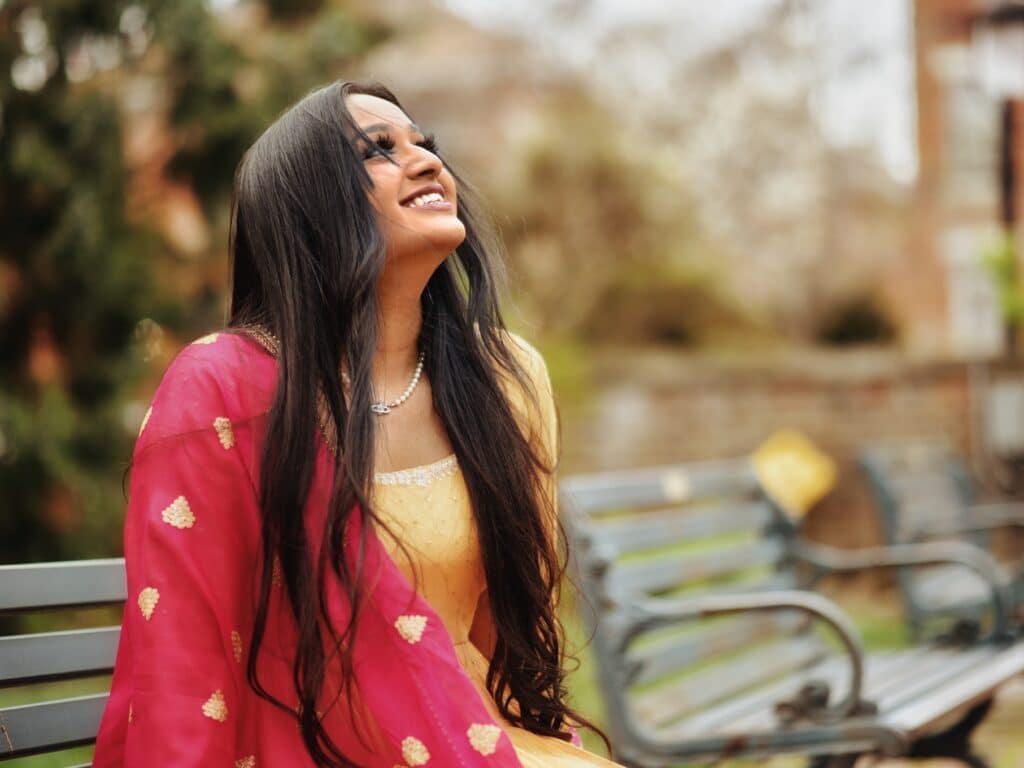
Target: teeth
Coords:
[(430, 197)]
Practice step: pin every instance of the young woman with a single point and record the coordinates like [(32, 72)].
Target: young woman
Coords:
[(341, 534)]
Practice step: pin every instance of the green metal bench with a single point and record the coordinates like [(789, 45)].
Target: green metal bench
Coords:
[(924, 491), (708, 644), (31, 659)]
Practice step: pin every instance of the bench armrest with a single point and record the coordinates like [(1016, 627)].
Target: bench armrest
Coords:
[(979, 518), (995, 514), (962, 553), (644, 614)]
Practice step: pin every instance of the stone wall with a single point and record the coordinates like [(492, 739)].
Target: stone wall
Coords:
[(654, 407)]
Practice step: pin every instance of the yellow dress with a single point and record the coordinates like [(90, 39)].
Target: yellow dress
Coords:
[(428, 508)]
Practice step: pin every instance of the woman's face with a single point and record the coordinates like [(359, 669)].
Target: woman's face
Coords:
[(414, 220)]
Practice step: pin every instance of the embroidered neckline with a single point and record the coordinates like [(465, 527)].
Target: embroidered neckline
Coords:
[(422, 475)]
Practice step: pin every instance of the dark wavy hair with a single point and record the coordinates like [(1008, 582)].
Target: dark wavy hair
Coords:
[(306, 252)]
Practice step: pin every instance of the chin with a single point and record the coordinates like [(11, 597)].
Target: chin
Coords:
[(434, 245), (448, 238)]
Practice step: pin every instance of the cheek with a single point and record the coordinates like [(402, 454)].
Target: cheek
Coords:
[(384, 191), (448, 182)]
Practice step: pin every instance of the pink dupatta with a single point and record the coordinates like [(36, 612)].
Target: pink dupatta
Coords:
[(179, 695)]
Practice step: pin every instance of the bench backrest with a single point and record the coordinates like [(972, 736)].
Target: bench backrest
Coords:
[(918, 486), (683, 530), (43, 657)]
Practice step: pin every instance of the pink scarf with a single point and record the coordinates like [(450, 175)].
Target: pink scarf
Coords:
[(179, 695)]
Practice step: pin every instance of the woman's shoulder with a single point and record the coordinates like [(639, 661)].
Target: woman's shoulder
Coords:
[(222, 376), (529, 358), (535, 407)]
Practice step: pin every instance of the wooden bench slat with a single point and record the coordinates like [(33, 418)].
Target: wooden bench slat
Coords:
[(672, 654), (660, 573), (891, 680), (929, 675), (932, 482), (678, 524), (723, 716), (55, 585), (691, 693), (593, 495), (52, 725), (57, 655), (961, 690), (883, 671)]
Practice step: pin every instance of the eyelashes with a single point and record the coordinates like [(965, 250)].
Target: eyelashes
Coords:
[(385, 143)]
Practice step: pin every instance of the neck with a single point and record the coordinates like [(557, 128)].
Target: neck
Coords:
[(401, 318)]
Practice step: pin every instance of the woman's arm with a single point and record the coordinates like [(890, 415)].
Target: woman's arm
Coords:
[(188, 553)]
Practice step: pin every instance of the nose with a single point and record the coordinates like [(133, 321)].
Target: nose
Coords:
[(423, 162)]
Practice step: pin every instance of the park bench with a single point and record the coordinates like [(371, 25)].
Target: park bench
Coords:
[(925, 491), (33, 659), (709, 645)]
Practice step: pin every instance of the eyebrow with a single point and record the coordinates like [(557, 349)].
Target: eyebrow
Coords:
[(388, 126)]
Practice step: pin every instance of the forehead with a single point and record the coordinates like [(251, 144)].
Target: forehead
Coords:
[(366, 110)]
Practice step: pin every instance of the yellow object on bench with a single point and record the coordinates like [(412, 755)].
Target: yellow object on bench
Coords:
[(793, 471)]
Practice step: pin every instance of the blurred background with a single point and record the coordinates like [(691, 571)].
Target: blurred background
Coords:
[(722, 219)]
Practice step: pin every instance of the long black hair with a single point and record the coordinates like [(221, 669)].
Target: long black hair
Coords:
[(306, 252)]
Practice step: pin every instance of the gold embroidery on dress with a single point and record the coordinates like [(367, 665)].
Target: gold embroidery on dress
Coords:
[(215, 707), (145, 419), (484, 738), (148, 599), (421, 476), (411, 626), (224, 432), (207, 339), (131, 713), (414, 752), (179, 514), (246, 762), (236, 644)]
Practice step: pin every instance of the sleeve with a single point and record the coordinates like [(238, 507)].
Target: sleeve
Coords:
[(189, 573), (550, 449), (540, 423)]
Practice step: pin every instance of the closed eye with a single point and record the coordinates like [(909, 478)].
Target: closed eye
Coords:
[(384, 143)]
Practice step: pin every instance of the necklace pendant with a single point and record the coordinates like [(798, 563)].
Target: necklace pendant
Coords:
[(380, 408)]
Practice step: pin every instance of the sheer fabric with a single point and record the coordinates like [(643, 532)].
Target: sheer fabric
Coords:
[(179, 695)]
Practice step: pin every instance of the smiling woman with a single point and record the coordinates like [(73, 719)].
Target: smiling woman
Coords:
[(342, 530)]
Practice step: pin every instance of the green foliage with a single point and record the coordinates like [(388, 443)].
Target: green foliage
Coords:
[(88, 275), (1000, 259), (74, 286)]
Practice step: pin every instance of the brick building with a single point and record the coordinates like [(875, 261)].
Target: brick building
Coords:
[(947, 301)]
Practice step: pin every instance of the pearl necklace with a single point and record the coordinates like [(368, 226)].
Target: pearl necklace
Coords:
[(382, 407), (270, 342)]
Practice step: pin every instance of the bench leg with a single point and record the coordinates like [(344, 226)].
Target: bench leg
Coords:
[(955, 741)]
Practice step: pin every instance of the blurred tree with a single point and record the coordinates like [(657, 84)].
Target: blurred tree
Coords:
[(74, 283), (595, 216), (120, 126)]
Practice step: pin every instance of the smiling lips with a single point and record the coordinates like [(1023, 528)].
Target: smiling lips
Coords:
[(430, 197), (430, 200)]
